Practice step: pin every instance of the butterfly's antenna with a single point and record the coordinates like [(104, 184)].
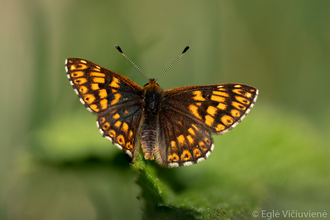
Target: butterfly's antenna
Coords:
[(185, 50), (122, 53)]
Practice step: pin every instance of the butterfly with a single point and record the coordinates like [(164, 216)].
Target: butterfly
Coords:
[(173, 127)]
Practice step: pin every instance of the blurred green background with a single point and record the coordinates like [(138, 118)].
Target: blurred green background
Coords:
[(54, 164)]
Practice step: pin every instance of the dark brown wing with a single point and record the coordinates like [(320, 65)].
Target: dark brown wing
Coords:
[(190, 114), (114, 98)]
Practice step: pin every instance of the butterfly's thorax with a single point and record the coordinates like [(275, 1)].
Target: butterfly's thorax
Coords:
[(152, 103)]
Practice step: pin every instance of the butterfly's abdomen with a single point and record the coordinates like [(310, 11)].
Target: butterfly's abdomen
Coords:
[(148, 141), (152, 104)]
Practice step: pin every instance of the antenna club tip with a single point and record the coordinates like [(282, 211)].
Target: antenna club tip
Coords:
[(118, 48), (185, 49)]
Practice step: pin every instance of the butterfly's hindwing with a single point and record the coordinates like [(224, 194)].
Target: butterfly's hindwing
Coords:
[(182, 140), (121, 126)]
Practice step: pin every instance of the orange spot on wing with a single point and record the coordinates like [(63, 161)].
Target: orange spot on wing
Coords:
[(80, 81), (116, 116), (125, 127), (238, 105), (83, 89), (190, 139), (225, 94), (220, 88), (121, 140), (175, 157), (112, 133), (104, 103), (222, 106), (198, 96), (217, 98), (89, 98), (220, 127), (103, 93), (77, 74), (96, 69), (186, 155), (98, 74), (130, 134), (194, 126), (181, 139), (95, 86), (129, 146), (117, 124), (116, 99), (242, 100), (227, 120), (94, 108), (194, 110), (191, 131), (98, 80), (209, 120), (197, 153), (202, 146), (212, 110), (78, 67), (106, 126), (102, 120), (235, 113), (114, 83), (173, 145), (238, 91), (207, 141)]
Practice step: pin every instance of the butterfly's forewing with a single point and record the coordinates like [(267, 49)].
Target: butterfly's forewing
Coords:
[(190, 114), (114, 98)]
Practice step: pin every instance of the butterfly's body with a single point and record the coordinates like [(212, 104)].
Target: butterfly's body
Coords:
[(152, 100), (173, 127)]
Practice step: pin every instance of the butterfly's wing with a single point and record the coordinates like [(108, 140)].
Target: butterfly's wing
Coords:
[(190, 114), (114, 98)]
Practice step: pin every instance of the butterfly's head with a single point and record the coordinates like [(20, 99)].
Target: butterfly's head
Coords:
[(152, 86)]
